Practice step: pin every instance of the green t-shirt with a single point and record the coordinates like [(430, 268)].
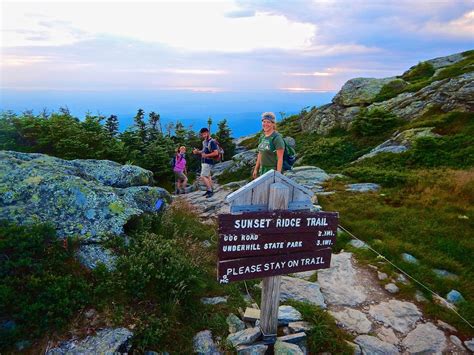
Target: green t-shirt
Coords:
[(267, 146)]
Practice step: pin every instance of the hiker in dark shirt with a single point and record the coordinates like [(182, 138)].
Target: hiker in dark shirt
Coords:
[(208, 153)]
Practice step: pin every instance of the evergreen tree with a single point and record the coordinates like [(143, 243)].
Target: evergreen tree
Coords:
[(111, 125), (179, 133), (209, 123), (169, 127), (140, 124), (154, 129), (224, 138)]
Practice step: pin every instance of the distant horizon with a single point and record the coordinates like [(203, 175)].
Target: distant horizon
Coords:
[(242, 110)]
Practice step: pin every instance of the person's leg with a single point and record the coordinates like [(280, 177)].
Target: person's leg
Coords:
[(184, 183)]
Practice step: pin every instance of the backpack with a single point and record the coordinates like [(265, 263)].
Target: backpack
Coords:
[(173, 162), (289, 156), (220, 157)]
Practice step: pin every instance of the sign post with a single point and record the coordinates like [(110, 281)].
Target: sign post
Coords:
[(270, 232)]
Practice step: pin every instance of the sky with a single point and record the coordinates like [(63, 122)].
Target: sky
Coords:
[(236, 47)]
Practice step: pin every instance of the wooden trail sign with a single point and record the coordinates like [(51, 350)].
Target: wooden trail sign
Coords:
[(275, 233), (261, 238)]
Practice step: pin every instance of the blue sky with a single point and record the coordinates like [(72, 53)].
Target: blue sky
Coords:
[(183, 48)]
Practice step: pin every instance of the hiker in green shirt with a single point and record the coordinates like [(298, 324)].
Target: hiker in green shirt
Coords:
[(271, 147)]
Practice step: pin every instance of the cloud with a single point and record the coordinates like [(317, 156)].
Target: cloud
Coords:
[(461, 27), (304, 90), (316, 73)]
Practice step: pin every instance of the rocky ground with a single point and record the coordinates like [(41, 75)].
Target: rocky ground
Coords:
[(353, 293)]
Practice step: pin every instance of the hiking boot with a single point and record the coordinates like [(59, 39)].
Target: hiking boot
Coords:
[(209, 194), (205, 194)]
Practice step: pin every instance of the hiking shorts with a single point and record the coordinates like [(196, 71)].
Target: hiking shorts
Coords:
[(179, 175), (206, 169)]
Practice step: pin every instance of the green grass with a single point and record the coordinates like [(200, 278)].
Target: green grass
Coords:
[(243, 173), (423, 219), (324, 335)]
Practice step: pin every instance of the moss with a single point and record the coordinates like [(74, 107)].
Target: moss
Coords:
[(116, 207), (34, 180)]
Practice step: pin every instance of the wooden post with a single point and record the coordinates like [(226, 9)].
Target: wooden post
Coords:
[(278, 199)]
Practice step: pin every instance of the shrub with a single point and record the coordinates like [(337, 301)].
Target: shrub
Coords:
[(373, 122), (42, 285), (390, 90), (387, 178), (156, 268), (421, 71)]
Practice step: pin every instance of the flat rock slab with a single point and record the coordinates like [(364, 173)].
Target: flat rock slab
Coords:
[(300, 290), (363, 187), (255, 349), (353, 320), (372, 345), (105, 341), (203, 343), (301, 326), (244, 337), (387, 335), (425, 338), (399, 315), (340, 284), (214, 300), (251, 314)]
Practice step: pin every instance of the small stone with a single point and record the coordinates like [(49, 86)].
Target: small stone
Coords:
[(203, 343), (441, 301), (282, 348), (457, 342), (234, 323), (247, 336), (90, 313), (469, 344), (387, 335), (373, 345), (409, 258), (359, 244), (287, 314), (206, 244), (300, 326), (373, 266), (445, 326), (214, 300), (445, 274), (392, 288), (463, 217), (22, 345), (419, 296), (381, 275), (425, 338), (454, 297), (401, 278)]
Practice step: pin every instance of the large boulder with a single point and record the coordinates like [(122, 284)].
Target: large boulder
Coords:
[(360, 91), (451, 94), (87, 199)]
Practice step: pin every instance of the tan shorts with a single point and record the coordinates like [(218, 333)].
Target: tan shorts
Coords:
[(206, 169)]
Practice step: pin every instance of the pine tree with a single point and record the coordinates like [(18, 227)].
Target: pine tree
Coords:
[(140, 124), (154, 126), (111, 125), (224, 138), (209, 123), (179, 132)]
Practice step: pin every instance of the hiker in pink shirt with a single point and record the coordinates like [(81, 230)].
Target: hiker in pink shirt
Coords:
[(179, 169)]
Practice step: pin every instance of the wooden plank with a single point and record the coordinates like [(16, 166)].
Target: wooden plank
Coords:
[(287, 180), (300, 205), (248, 208), (278, 199), (244, 199), (265, 266), (260, 193), (251, 314), (299, 195), (235, 246), (269, 175), (277, 222)]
